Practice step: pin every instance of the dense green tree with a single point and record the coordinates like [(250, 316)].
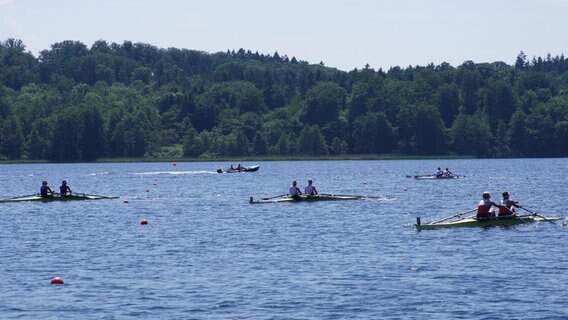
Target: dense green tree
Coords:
[(324, 101), (373, 133), (12, 138), (39, 140), (366, 95), (311, 141), (66, 136), (136, 100), (471, 135), (260, 144), (339, 146), (92, 135), (429, 134), (540, 131), (448, 102), (469, 81), (499, 102), (561, 138)]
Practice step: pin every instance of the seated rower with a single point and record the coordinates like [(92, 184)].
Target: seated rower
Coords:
[(64, 189), (310, 190), (294, 191), (507, 205), (439, 173), (485, 206), (45, 190)]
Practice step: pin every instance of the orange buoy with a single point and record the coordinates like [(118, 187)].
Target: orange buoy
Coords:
[(125, 201), (174, 164), (144, 221), (57, 280)]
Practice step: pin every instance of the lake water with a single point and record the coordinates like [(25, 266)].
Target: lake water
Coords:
[(208, 254)]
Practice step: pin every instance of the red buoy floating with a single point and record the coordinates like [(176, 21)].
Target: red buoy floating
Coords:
[(57, 280), (144, 221), (174, 164), (125, 201)]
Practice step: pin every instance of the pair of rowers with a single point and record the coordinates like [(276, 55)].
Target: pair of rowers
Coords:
[(310, 190)]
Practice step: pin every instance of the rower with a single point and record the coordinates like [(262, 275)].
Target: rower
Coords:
[(64, 189), (45, 190), (294, 191), (439, 173), (485, 205), (507, 205), (310, 190)]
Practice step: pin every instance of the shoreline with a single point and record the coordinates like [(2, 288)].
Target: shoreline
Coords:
[(252, 159)]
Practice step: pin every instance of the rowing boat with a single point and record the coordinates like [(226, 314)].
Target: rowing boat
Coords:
[(322, 197), (57, 197), (243, 169), (485, 222), (435, 177)]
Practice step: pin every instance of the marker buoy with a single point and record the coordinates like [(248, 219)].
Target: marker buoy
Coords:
[(125, 201), (174, 164), (57, 280), (144, 221)]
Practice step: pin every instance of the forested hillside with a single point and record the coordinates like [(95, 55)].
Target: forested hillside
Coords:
[(80, 103)]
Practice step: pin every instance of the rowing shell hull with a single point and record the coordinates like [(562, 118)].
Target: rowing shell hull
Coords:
[(305, 199), (473, 222), (56, 198), (434, 177)]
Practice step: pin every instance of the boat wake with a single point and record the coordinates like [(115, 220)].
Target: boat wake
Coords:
[(98, 173), (378, 198), (174, 172)]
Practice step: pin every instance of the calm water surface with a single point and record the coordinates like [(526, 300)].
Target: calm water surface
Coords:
[(208, 254)]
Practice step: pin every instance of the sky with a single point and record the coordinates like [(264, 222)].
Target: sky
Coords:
[(344, 34)]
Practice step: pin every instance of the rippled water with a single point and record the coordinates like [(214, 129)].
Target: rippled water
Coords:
[(208, 254)]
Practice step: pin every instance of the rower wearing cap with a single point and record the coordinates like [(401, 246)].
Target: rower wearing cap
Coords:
[(507, 205), (485, 205), (45, 190), (310, 189), (64, 189)]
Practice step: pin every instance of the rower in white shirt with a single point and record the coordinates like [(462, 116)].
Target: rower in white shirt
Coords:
[(310, 189)]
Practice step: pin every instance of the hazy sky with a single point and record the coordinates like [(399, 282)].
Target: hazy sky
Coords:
[(343, 34)]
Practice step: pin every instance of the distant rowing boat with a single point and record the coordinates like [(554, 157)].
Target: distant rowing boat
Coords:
[(243, 169), (321, 197), (485, 222), (57, 197), (434, 177)]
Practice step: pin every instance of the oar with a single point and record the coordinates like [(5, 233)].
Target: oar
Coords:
[(454, 216), (30, 195), (337, 195), (278, 196), (94, 195), (352, 195), (538, 215)]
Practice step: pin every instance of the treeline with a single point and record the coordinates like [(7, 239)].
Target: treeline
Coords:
[(75, 103)]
